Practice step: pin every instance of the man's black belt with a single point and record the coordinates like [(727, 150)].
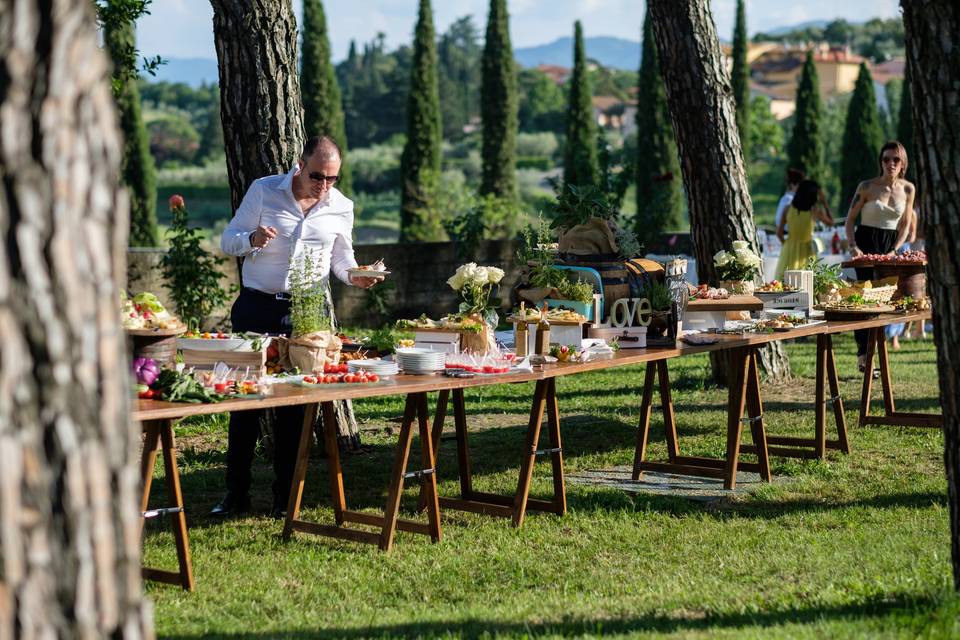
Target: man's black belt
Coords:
[(274, 296)]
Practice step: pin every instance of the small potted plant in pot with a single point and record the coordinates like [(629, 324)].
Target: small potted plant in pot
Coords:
[(661, 302), (312, 341)]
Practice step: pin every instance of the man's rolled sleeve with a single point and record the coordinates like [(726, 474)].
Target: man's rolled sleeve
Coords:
[(235, 240), (342, 257)]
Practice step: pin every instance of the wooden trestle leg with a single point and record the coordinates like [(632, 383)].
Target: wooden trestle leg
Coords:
[(876, 343), (389, 522), (160, 433), (744, 393), (816, 447), (516, 506)]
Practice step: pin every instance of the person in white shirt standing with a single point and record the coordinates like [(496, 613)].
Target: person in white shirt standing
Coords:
[(794, 178), (280, 218)]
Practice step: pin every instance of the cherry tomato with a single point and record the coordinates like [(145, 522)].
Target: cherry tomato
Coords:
[(308, 379), (330, 379), (373, 377), (349, 378)]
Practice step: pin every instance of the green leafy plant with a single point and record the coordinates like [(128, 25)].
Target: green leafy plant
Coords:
[(659, 296), (535, 250), (192, 274), (486, 217), (572, 288), (575, 205), (309, 306), (378, 299), (826, 277), (384, 339)]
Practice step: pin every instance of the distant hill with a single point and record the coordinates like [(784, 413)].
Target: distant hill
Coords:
[(608, 51), (191, 71), (779, 31)]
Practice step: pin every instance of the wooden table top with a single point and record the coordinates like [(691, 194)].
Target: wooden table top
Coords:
[(733, 303), (290, 394)]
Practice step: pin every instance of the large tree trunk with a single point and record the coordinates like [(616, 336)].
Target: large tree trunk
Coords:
[(260, 102), (69, 485), (933, 61), (260, 106), (711, 159)]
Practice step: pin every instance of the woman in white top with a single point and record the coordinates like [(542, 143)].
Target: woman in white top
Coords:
[(885, 204)]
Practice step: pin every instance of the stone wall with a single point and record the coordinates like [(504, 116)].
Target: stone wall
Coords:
[(417, 282)]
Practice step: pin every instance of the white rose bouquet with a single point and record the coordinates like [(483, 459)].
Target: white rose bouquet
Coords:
[(739, 264), (475, 284)]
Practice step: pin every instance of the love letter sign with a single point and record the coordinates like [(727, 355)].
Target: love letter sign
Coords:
[(629, 312)]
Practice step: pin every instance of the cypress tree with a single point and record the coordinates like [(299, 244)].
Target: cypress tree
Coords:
[(805, 149), (420, 161), (322, 108), (862, 138), (659, 186), (139, 173), (905, 127), (740, 79), (498, 100), (580, 164)]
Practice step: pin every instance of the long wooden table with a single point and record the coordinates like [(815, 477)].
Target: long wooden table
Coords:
[(158, 418), (744, 397)]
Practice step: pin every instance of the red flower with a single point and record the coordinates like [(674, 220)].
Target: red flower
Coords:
[(176, 201)]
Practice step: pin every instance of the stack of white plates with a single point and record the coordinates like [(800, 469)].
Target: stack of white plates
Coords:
[(383, 368), (420, 361)]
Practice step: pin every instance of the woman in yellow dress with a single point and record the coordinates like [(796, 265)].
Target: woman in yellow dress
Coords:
[(806, 207)]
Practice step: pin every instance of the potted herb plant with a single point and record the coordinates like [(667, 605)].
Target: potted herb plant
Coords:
[(661, 302), (312, 341)]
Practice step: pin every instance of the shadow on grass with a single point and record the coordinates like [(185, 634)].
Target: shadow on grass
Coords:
[(934, 614)]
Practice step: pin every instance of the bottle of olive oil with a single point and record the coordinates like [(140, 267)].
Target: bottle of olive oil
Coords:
[(542, 340), (520, 335)]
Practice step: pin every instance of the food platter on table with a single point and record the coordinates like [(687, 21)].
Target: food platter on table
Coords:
[(223, 342), (847, 311)]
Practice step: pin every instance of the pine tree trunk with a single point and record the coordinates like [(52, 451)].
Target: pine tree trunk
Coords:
[(933, 61), (260, 103), (69, 485), (711, 160)]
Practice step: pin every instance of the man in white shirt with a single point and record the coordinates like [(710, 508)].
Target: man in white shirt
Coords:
[(280, 218)]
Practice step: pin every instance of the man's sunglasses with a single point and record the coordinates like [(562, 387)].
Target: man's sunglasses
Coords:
[(316, 176)]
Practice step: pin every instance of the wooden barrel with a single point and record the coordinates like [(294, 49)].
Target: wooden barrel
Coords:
[(161, 345), (613, 274)]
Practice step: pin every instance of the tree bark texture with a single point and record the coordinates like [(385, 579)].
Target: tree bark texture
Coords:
[(260, 105), (69, 485), (704, 120), (260, 102), (933, 65)]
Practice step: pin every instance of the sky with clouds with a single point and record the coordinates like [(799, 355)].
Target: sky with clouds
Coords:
[(183, 28)]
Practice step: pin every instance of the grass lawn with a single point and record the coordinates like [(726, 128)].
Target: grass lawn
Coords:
[(857, 546)]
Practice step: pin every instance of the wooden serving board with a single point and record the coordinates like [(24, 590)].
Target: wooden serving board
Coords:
[(856, 314), (733, 303), (866, 264)]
